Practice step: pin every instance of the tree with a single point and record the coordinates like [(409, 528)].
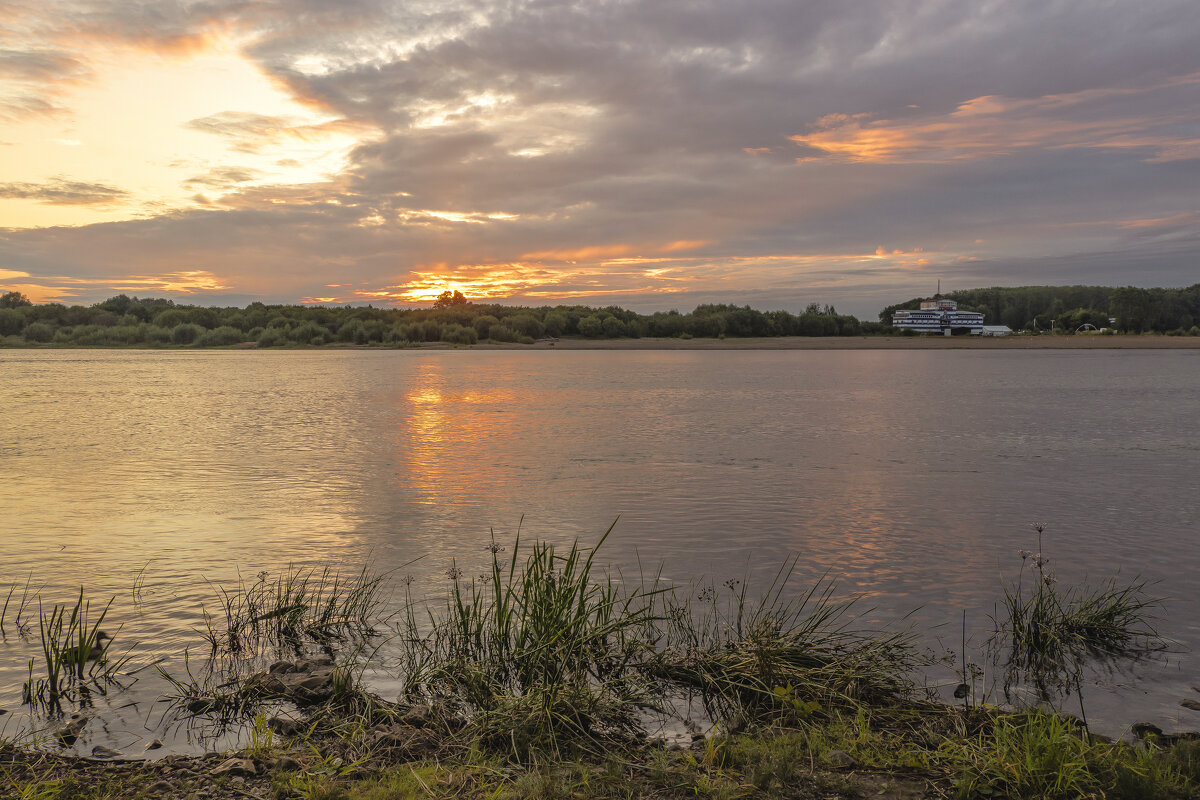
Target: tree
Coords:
[(14, 300), (447, 299)]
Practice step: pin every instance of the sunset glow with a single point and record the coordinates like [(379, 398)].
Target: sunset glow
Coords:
[(233, 152)]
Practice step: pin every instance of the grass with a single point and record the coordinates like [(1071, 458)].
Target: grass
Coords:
[(298, 607), (1047, 636), (543, 677), (75, 661)]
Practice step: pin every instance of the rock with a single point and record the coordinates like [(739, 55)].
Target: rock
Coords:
[(416, 717), (285, 726), (281, 668), (1192, 704), (398, 736), (235, 766), (237, 782), (287, 764), (154, 745), (67, 734), (100, 751), (160, 789), (840, 760)]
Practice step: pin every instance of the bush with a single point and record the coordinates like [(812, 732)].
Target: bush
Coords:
[(11, 321), (38, 332), (186, 333), (483, 324), (220, 337), (272, 337), (153, 334), (525, 325), (502, 333), (457, 334), (613, 328), (591, 327)]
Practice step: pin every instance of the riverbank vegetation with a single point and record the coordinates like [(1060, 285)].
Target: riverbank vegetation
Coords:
[(148, 322), (124, 321), (1067, 309), (547, 676)]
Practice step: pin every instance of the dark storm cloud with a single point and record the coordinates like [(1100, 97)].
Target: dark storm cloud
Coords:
[(973, 140)]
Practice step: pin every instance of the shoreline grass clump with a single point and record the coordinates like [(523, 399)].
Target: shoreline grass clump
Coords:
[(294, 609), (771, 654), (1048, 637), (540, 655), (75, 660)]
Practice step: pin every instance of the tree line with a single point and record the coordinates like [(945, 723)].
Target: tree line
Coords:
[(133, 321), (1066, 309)]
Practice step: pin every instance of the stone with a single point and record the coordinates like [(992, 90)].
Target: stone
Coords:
[(154, 745), (288, 764), (281, 668), (284, 726), (67, 734), (235, 766), (100, 751), (416, 717), (160, 789)]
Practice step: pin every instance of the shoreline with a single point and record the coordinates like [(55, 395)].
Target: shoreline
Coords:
[(961, 343), (868, 343)]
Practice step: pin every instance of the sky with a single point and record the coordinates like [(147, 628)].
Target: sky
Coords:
[(653, 154)]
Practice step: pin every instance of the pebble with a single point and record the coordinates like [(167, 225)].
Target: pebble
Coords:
[(234, 767), (154, 745), (100, 751)]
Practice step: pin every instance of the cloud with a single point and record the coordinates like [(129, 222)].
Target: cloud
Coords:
[(648, 148), (64, 192), (992, 126)]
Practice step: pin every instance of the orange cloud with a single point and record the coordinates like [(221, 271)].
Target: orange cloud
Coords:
[(991, 125)]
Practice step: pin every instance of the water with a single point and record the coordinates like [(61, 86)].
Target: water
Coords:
[(909, 476)]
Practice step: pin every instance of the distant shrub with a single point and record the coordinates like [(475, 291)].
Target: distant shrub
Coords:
[(483, 324), (525, 325), (431, 330), (219, 337), (613, 328), (11, 321), (591, 326), (272, 337), (457, 334), (525, 340), (186, 333), (170, 318), (1193, 331), (502, 333), (153, 334), (38, 332), (310, 333), (556, 323)]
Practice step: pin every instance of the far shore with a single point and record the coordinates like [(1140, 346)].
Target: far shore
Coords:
[(1129, 342), (869, 343)]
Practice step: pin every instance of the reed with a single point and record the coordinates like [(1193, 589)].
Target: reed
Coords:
[(549, 654), (540, 653), (298, 607), (75, 659), (1049, 636), (778, 652)]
